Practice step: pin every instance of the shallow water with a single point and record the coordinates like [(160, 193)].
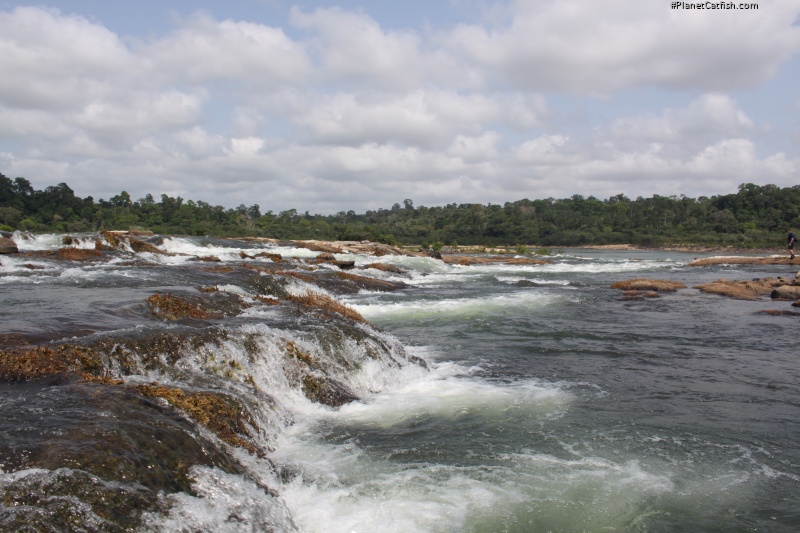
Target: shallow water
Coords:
[(548, 403)]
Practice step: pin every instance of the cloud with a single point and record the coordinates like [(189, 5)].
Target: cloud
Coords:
[(341, 113), (594, 47), (55, 62), (428, 119), (354, 50), (243, 53)]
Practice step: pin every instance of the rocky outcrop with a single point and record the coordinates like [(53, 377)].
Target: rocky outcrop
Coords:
[(466, 260), (384, 267), (645, 284), (275, 258), (114, 240), (786, 292), (745, 260), (327, 257), (742, 289), (78, 254), (7, 246)]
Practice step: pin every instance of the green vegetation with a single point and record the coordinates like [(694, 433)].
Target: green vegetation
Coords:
[(755, 216)]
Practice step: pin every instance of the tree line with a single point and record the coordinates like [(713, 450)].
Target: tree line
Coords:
[(754, 216)]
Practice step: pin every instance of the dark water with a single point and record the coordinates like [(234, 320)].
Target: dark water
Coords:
[(548, 403)]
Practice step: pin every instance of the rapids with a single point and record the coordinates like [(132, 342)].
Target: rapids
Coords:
[(212, 389)]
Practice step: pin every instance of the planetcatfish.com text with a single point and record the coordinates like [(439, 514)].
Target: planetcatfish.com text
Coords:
[(713, 5)]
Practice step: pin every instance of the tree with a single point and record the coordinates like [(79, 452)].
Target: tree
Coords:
[(9, 215)]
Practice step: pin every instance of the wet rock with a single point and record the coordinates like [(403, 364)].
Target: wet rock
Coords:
[(645, 284), (466, 260), (779, 312), (318, 388), (142, 246), (741, 289), (220, 413), (320, 246), (746, 260), (326, 304), (78, 254), (8, 246), (384, 267), (277, 258), (639, 295)]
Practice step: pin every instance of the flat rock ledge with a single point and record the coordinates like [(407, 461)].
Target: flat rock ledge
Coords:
[(466, 260), (646, 284), (746, 290), (745, 260)]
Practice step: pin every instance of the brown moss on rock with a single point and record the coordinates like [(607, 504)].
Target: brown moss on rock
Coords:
[(292, 350), (223, 415), (644, 284), (326, 303), (41, 361), (78, 254), (218, 269), (267, 300), (172, 307)]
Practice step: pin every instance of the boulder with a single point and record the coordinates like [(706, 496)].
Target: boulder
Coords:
[(742, 290), (385, 267), (786, 292), (7, 246)]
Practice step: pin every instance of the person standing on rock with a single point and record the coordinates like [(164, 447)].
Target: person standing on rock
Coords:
[(790, 240)]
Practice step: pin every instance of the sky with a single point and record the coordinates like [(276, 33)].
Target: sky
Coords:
[(356, 105)]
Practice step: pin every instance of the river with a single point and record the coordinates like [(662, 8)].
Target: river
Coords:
[(520, 398)]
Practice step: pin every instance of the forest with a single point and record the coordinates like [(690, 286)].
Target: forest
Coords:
[(756, 216)]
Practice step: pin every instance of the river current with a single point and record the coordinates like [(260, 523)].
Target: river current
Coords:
[(519, 398)]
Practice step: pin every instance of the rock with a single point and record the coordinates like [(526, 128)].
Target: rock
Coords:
[(466, 260), (276, 258), (7, 246), (78, 254), (644, 284), (319, 246), (742, 290), (786, 292), (142, 246), (384, 267), (776, 312), (738, 260)]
